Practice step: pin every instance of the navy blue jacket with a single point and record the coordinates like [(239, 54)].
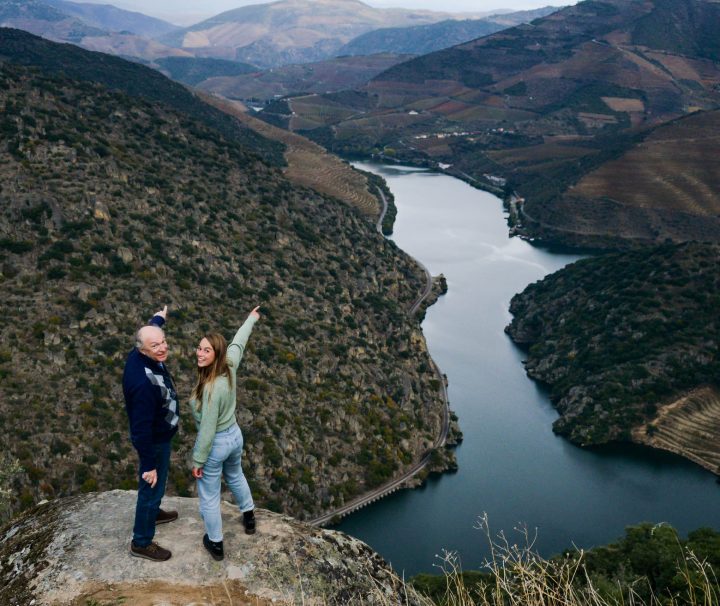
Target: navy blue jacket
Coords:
[(151, 404)]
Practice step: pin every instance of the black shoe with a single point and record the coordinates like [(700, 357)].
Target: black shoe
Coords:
[(153, 552), (248, 521), (215, 549), (163, 517)]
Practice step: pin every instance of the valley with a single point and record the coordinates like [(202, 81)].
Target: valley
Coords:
[(551, 107), (597, 123)]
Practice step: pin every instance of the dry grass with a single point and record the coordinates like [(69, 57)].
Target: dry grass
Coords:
[(520, 577)]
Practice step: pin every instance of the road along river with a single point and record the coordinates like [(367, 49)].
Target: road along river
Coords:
[(511, 464)]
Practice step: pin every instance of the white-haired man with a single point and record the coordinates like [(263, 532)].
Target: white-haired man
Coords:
[(152, 407)]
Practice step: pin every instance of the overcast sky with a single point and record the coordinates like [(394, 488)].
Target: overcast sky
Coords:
[(185, 12)]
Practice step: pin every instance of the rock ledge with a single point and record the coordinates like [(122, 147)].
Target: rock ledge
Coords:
[(75, 551)]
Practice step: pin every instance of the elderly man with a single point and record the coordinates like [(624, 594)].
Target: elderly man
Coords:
[(152, 408)]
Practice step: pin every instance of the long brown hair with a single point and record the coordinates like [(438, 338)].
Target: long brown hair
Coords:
[(219, 367)]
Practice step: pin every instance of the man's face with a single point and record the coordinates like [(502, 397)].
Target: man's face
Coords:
[(154, 345)]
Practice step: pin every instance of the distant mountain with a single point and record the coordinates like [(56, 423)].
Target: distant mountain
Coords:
[(545, 104), (324, 76), (102, 28), (113, 19), (423, 39), (45, 20), (290, 31), (419, 39)]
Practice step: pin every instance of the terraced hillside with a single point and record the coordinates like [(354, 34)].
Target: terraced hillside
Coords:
[(112, 205), (664, 187), (689, 427), (308, 164)]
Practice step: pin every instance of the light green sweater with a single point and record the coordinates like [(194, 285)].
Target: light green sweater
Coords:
[(217, 412)]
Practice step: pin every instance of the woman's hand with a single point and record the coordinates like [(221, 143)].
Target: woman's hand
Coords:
[(197, 472), (162, 313), (254, 313)]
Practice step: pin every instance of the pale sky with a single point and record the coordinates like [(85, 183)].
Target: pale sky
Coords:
[(185, 12)]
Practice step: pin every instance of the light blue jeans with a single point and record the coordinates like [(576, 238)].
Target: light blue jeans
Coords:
[(224, 460)]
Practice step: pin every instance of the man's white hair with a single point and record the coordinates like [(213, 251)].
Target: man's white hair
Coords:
[(138, 335)]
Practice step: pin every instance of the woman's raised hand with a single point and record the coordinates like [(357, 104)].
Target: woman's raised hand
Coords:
[(162, 313), (254, 313)]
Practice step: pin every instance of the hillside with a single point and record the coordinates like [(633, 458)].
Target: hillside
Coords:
[(424, 39), (419, 39), (331, 75), (664, 187), (111, 18), (131, 78), (627, 344), (193, 70), (290, 31), (309, 165), (93, 26), (44, 19), (545, 104), (113, 205)]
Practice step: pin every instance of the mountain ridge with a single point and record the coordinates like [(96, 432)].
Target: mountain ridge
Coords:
[(109, 17), (424, 39), (290, 31)]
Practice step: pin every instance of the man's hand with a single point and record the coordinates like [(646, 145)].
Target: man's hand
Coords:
[(151, 476), (254, 313), (197, 472), (162, 313)]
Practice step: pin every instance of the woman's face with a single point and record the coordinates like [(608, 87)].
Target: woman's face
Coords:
[(205, 353)]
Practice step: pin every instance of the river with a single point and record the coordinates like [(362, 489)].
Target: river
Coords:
[(511, 465)]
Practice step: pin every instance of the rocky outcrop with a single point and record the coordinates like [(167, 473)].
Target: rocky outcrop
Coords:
[(75, 551), (620, 340)]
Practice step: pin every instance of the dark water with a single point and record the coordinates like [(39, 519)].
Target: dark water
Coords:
[(511, 464)]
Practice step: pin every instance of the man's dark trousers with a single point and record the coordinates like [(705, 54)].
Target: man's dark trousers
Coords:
[(148, 499)]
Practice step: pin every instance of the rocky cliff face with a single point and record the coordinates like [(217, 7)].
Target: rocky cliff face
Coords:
[(75, 551)]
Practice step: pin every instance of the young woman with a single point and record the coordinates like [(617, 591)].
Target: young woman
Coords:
[(218, 447)]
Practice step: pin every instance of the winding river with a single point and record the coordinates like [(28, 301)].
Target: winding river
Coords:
[(511, 464)]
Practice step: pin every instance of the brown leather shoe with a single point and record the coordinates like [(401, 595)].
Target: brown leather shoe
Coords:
[(151, 552), (163, 517)]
